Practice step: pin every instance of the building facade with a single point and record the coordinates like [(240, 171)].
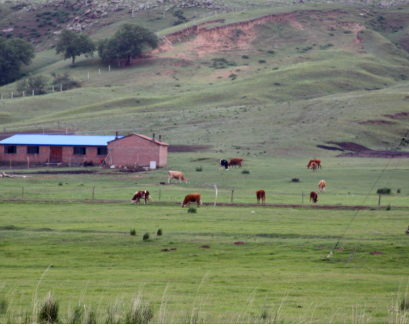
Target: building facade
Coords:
[(137, 150), (75, 149)]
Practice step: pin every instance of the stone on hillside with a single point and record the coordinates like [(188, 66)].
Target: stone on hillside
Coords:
[(104, 14), (87, 12), (52, 46), (77, 18), (58, 32)]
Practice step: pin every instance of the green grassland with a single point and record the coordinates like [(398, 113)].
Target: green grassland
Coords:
[(327, 74)]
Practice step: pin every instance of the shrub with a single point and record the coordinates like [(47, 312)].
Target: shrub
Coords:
[(220, 63), (262, 61), (245, 57), (199, 169), (295, 180), (36, 83), (388, 208), (384, 191), (146, 236), (140, 313), (48, 313), (65, 80), (192, 210), (245, 171), (270, 51), (133, 232), (398, 191), (159, 233)]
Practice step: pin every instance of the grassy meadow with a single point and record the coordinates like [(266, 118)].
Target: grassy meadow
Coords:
[(279, 274)]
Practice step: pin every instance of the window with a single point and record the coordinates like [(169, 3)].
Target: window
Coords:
[(33, 150), (79, 150), (102, 151), (10, 149)]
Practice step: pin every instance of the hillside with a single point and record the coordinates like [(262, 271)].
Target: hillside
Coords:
[(258, 80)]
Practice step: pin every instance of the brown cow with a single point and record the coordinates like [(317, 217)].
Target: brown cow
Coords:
[(176, 175), (314, 167), (141, 194), (191, 198), (261, 194), (236, 161), (313, 196), (321, 185), (316, 161)]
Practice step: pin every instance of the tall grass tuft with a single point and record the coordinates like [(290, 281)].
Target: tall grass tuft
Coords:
[(132, 232), (146, 236), (140, 312), (199, 169), (76, 316), (245, 171), (388, 208), (113, 313), (48, 313), (159, 233), (3, 305), (90, 317), (192, 210)]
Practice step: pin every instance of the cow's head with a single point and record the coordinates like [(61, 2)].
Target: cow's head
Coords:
[(133, 201), (183, 205), (184, 179)]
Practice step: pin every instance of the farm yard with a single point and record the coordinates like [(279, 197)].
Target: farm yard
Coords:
[(277, 271)]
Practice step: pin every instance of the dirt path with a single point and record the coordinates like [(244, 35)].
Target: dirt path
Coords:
[(306, 206)]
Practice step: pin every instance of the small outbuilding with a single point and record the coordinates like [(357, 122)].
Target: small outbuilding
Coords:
[(137, 150)]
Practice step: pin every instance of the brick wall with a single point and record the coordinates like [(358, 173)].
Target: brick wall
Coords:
[(133, 150)]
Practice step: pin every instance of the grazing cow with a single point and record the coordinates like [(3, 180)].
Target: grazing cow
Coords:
[(191, 198), (141, 194), (223, 164), (261, 194), (318, 162), (313, 196), (321, 185), (176, 175), (236, 161), (314, 167)]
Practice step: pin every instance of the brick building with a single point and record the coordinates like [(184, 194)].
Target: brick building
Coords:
[(74, 149), (138, 150)]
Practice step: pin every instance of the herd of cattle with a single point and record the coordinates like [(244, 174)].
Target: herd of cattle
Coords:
[(196, 198)]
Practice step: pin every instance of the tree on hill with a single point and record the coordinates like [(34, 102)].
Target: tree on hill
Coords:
[(72, 45), (36, 83), (14, 53), (179, 15), (130, 41)]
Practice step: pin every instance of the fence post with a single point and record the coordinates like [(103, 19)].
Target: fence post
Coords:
[(74, 77), (2, 97), (88, 75), (12, 95), (215, 200), (33, 92), (24, 94), (380, 194), (159, 193), (22, 192), (302, 197), (232, 192), (109, 68), (99, 71), (53, 89), (93, 189), (60, 87)]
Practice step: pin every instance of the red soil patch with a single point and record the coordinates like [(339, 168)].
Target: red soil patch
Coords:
[(376, 122), (204, 247), (376, 253), (165, 249), (187, 148), (239, 243), (398, 116), (173, 249), (342, 248)]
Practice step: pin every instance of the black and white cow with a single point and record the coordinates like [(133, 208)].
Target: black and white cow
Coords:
[(224, 164)]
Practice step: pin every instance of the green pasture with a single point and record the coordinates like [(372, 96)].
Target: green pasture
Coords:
[(280, 274), (349, 181)]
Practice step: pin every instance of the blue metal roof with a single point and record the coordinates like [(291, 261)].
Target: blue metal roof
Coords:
[(58, 140)]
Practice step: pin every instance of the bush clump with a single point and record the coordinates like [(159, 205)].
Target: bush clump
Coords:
[(384, 191), (133, 232), (199, 169), (192, 210), (295, 180), (48, 313), (245, 171), (220, 63), (146, 236), (159, 233)]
